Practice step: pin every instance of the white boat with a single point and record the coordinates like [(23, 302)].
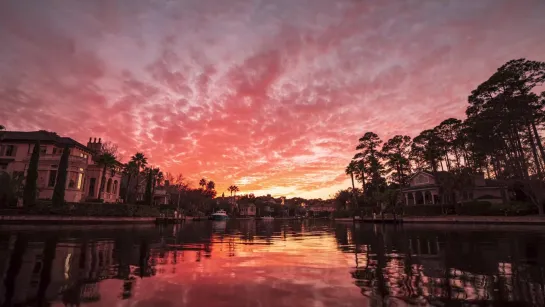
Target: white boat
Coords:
[(220, 215)]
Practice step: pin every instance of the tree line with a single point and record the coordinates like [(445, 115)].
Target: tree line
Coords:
[(501, 137)]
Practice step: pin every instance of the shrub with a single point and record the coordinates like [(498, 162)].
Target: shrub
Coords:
[(424, 210), (514, 208), (91, 209), (343, 213), (474, 208)]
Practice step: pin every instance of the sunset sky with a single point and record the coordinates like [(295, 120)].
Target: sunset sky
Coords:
[(270, 95)]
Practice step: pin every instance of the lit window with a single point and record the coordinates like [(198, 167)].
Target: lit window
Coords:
[(80, 179)]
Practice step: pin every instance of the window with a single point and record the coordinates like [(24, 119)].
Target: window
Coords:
[(72, 180), (80, 179), (3, 167), (43, 150), (52, 178), (9, 150)]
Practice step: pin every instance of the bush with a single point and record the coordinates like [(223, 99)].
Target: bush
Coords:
[(514, 208), (474, 208), (343, 213), (91, 209), (488, 209), (424, 210)]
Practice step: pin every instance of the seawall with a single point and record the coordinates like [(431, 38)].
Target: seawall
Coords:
[(59, 219)]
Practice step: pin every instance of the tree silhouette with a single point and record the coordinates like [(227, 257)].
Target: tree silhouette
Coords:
[(60, 184), (30, 191)]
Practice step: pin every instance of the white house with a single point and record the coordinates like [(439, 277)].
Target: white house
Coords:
[(84, 174), (427, 188)]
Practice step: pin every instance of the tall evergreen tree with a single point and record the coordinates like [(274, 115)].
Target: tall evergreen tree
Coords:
[(350, 170), (369, 156), (148, 193), (427, 150), (30, 191), (107, 161), (396, 154), (62, 174)]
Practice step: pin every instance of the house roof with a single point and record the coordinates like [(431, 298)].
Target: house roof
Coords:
[(43, 136), (437, 175)]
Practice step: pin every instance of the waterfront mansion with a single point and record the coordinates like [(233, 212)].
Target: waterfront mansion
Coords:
[(84, 173)]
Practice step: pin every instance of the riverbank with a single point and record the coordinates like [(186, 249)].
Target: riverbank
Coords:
[(59, 219), (513, 220)]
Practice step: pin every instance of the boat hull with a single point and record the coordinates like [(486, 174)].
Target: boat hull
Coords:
[(219, 217)]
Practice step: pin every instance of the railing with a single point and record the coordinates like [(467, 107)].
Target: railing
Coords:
[(57, 157)]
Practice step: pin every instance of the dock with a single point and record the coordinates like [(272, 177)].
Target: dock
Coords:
[(179, 220)]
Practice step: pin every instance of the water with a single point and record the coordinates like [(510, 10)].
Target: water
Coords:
[(247, 263)]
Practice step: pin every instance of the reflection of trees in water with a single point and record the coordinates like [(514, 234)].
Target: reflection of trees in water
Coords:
[(52, 268), (15, 263), (444, 267)]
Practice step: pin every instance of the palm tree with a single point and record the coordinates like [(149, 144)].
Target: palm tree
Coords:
[(107, 161), (210, 185), (202, 183), (235, 189), (141, 161), (129, 169), (231, 189), (350, 170), (157, 178)]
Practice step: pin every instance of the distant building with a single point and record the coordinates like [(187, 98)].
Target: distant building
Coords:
[(247, 210), (427, 188), (84, 174)]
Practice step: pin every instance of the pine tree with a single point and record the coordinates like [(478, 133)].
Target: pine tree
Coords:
[(62, 174), (147, 195), (29, 196)]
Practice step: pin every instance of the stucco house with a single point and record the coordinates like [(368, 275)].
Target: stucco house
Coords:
[(84, 174), (426, 188), (247, 210)]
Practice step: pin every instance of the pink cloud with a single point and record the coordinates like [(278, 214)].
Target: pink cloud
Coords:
[(278, 92)]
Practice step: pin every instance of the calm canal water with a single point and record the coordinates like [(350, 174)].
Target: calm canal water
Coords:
[(248, 263)]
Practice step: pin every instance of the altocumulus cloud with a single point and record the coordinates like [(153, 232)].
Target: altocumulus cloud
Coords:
[(270, 95)]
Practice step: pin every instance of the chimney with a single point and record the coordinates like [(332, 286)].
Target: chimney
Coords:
[(99, 140), (93, 145)]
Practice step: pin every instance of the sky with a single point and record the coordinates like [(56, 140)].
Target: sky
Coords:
[(270, 95)]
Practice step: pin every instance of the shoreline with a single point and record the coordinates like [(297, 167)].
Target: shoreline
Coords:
[(59, 219), (483, 220)]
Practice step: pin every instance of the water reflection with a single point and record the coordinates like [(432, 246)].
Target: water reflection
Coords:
[(251, 263)]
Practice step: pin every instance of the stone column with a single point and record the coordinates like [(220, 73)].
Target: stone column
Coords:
[(414, 198), (406, 198), (423, 196)]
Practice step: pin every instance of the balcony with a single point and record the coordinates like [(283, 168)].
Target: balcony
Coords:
[(57, 158)]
